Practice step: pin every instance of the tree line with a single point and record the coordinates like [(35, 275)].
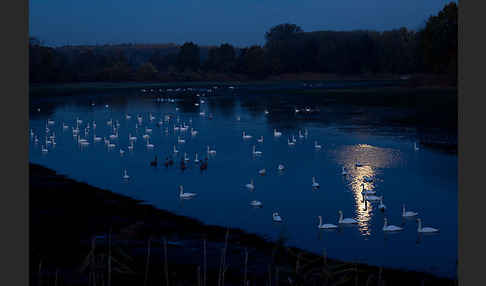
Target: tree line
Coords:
[(287, 49)]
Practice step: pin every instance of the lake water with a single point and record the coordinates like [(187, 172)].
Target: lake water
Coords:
[(425, 180)]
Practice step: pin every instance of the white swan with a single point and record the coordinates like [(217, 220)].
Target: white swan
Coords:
[(317, 146), (276, 133), (262, 172), (196, 160), (149, 145), (148, 130), (300, 134), (125, 175), (180, 140), (193, 132), (183, 195), (81, 140), (290, 143), (256, 204), (132, 138), (381, 206), (175, 149), (186, 158), (250, 185), (425, 229), (343, 171), (326, 225), (122, 151), (367, 192), (387, 227), (255, 152), (280, 167), (111, 145), (114, 136), (128, 116), (408, 213), (260, 140), (96, 138), (346, 220), (246, 136), (371, 198), (415, 147), (212, 152), (130, 147), (44, 150), (315, 184), (266, 112), (276, 217)]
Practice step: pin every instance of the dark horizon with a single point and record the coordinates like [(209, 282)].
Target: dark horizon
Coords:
[(210, 24)]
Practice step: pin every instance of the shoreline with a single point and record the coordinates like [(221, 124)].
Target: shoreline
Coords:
[(65, 215), (413, 82)]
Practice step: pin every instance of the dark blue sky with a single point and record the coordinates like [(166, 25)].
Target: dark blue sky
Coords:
[(210, 22)]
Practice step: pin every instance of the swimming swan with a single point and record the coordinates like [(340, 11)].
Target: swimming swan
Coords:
[(256, 204), (276, 217), (387, 227), (246, 136), (255, 152), (326, 225), (343, 171), (250, 185), (408, 213), (346, 220), (425, 229), (183, 195)]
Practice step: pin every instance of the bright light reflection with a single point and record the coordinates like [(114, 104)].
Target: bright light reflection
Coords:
[(371, 158)]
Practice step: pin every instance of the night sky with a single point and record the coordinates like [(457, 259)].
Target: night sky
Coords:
[(212, 22)]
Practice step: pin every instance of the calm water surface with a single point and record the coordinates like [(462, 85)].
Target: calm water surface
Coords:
[(424, 180)]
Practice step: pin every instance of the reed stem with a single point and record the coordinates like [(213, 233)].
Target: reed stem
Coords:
[(147, 263)]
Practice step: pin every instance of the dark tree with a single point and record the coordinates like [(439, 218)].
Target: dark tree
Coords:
[(221, 59), (188, 57), (440, 41), (147, 72)]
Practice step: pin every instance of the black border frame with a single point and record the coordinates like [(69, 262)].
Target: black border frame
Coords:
[(15, 200)]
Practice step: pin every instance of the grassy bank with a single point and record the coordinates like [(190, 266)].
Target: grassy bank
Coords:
[(82, 235)]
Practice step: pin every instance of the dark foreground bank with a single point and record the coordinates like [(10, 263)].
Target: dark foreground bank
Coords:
[(82, 235)]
